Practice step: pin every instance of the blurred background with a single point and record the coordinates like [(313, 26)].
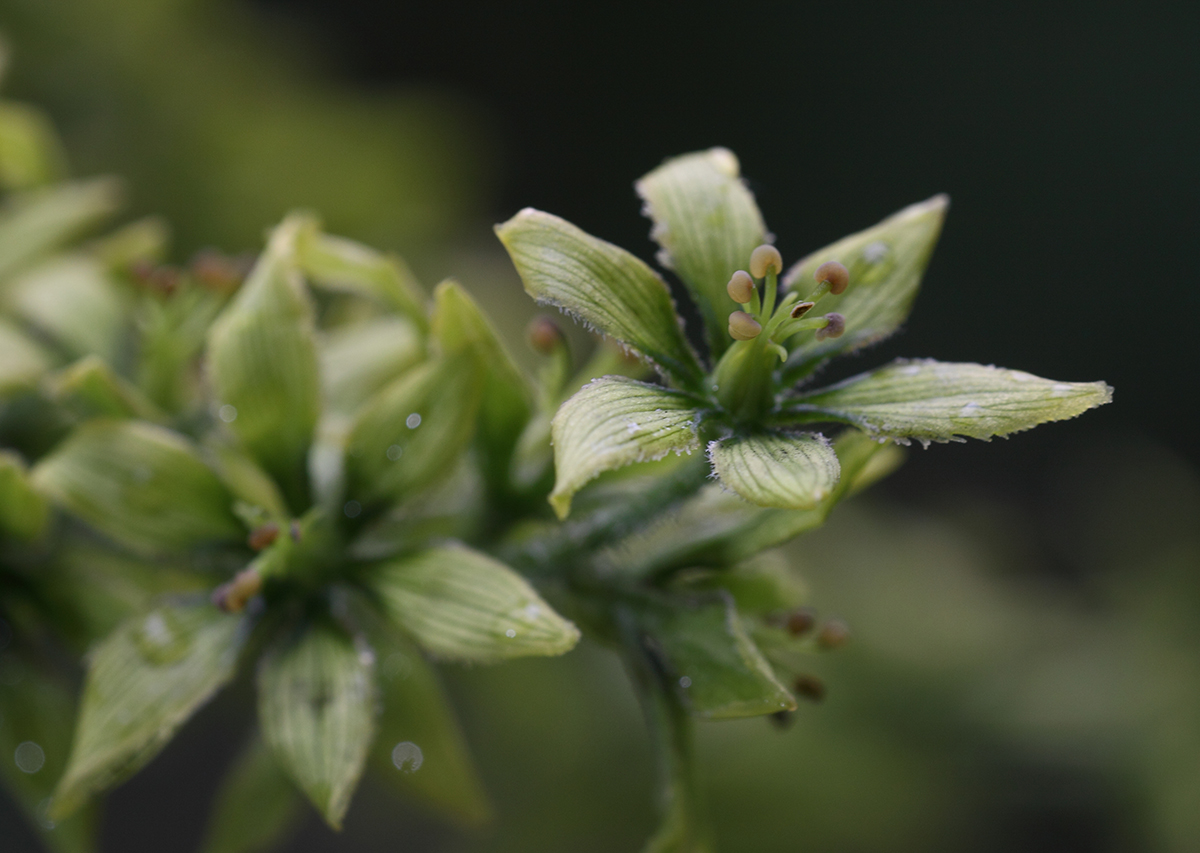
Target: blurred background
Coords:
[(1026, 612)]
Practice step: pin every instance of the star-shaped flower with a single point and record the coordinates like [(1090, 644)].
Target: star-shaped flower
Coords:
[(766, 333)]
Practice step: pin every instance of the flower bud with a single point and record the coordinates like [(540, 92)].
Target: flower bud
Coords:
[(834, 273), (741, 287), (544, 335), (262, 536), (833, 634), (809, 687), (743, 327), (765, 259), (801, 308), (835, 328)]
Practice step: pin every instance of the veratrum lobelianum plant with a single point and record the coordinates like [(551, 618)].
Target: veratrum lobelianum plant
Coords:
[(358, 475)]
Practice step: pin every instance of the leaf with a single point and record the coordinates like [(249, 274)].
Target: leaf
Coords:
[(141, 485), (707, 224), (936, 401), (886, 263), (22, 361), (359, 359), (142, 684), (30, 153), (263, 363), (795, 471), (411, 433), (316, 706), (460, 326), (23, 512), (459, 604), (72, 301), (36, 222), (37, 714), (256, 806), (707, 659), (420, 749), (340, 264), (90, 388), (613, 422), (601, 284)]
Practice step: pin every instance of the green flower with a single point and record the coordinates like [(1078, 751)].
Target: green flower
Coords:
[(767, 334)]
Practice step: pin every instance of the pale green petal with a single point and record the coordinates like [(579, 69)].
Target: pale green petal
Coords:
[(937, 401), (316, 706), (459, 604), (90, 388), (256, 806), (143, 683), (777, 469), (359, 359), (23, 512), (613, 422), (143, 486), (73, 302), (707, 224), (30, 152), (886, 263), (263, 363), (22, 361), (609, 289), (709, 662), (36, 222)]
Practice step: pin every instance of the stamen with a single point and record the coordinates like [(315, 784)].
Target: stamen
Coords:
[(834, 328), (232, 597), (743, 327), (544, 335), (765, 259), (834, 273), (741, 287)]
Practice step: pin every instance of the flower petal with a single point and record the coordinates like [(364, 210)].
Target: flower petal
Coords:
[(777, 469)]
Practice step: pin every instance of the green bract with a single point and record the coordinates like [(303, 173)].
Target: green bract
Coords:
[(746, 407)]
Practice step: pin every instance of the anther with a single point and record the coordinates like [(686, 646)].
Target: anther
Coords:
[(743, 327), (232, 597), (262, 536), (835, 326), (809, 687), (801, 308), (833, 634), (801, 621), (765, 259), (544, 335), (834, 273), (741, 287)]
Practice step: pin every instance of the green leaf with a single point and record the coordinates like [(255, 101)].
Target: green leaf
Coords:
[(22, 361), (605, 286), (255, 807), (90, 388), (790, 471), (420, 749), (359, 359), (886, 263), (411, 433), (707, 224), (263, 363), (459, 604), (30, 153), (336, 263), (142, 684), (707, 659), (72, 301), (36, 222), (37, 714), (316, 705), (613, 422), (460, 326), (143, 486), (937, 401), (23, 512)]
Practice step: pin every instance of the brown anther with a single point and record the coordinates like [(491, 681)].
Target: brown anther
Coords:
[(740, 287), (232, 597), (544, 335), (801, 621), (833, 634), (765, 259), (834, 273), (782, 720), (263, 535), (743, 327), (809, 687), (217, 271), (801, 308), (834, 328)]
